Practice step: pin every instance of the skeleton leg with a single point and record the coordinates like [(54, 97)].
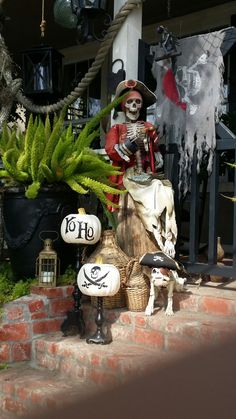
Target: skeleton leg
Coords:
[(150, 306), (169, 308)]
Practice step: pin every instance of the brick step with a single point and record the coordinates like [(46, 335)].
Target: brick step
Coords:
[(103, 365), (64, 369), (69, 365), (210, 298), (138, 340), (24, 389), (183, 331)]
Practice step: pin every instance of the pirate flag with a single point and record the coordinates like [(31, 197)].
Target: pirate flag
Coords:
[(190, 97)]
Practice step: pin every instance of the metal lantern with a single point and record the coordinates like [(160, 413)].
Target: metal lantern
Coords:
[(88, 16), (42, 71), (47, 265), (95, 5)]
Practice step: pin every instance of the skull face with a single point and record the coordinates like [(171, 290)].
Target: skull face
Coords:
[(95, 272), (132, 106), (158, 277), (189, 83)]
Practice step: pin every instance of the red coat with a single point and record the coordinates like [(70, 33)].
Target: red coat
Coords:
[(117, 135)]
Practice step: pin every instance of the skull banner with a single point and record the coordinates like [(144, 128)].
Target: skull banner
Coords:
[(190, 96)]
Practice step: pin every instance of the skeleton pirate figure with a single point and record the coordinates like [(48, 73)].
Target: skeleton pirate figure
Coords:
[(146, 218)]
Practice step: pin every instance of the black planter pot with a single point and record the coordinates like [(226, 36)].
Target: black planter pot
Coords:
[(24, 219)]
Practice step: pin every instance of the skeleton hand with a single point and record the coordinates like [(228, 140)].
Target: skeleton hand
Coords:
[(140, 136), (126, 149)]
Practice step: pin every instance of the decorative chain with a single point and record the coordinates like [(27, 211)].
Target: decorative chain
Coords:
[(112, 31)]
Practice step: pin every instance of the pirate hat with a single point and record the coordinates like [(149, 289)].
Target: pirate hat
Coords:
[(149, 98)]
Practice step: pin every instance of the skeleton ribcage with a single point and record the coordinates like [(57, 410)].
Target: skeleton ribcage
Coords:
[(136, 131)]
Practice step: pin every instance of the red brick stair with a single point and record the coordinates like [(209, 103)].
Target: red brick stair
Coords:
[(204, 315), (25, 389)]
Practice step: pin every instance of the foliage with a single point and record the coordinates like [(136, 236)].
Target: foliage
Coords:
[(4, 366), (68, 278), (227, 156), (11, 290), (232, 198), (111, 218), (44, 155)]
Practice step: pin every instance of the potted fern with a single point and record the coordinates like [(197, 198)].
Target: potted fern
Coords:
[(45, 171)]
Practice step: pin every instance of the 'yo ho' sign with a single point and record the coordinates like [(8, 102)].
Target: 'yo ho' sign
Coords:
[(81, 228)]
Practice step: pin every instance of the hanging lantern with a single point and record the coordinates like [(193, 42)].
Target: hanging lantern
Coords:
[(67, 11), (42, 71), (47, 265), (81, 228), (85, 15)]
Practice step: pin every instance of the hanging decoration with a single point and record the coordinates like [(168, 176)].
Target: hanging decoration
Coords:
[(10, 87), (42, 68), (88, 17), (190, 97)]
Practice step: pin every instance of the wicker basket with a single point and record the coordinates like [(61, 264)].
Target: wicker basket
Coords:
[(136, 287), (111, 253)]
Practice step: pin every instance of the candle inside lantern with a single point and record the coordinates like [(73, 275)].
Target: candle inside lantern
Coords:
[(47, 276)]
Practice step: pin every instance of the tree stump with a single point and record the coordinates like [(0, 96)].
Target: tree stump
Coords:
[(131, 235)]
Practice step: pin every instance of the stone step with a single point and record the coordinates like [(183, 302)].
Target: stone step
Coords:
[(24, 389)]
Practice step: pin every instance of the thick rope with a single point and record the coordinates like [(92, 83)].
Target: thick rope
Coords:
[(43, 22), (112, 31)]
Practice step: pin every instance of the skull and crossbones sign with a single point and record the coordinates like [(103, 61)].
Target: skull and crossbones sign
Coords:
[(93, 278), (189, 83)]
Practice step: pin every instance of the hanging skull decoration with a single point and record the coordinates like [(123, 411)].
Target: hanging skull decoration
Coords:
[(133, 105)]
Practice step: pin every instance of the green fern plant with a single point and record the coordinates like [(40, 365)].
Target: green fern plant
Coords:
[(45, 155)]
